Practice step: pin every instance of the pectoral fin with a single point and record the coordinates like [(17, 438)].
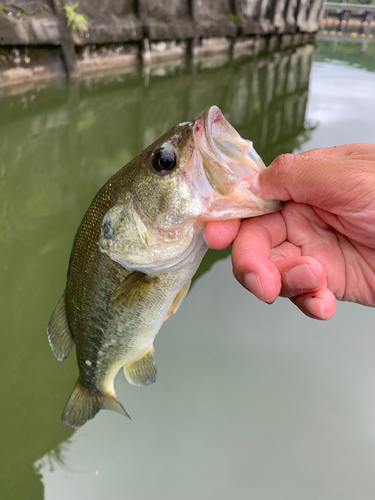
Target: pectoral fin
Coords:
[(132, 288), (177, 301), (59, 335), (143, 370)]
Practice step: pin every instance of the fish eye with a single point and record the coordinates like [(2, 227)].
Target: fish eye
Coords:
[(164, 160)]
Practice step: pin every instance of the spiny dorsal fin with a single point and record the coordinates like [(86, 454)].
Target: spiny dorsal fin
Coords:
[(143, 370), (177, 301), (83, 405), (132, 288), (59, 335)]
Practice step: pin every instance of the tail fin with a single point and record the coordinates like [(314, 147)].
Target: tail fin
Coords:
[(83, 405)]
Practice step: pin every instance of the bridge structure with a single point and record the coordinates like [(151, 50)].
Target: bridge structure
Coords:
[(348, 20)]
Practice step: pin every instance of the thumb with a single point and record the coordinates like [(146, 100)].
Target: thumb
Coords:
[(306, 179)]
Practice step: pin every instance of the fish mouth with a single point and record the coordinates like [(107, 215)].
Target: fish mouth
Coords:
[(229, 162)]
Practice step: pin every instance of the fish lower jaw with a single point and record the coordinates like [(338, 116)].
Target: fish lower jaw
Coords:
[(226, 209), (186, 257)]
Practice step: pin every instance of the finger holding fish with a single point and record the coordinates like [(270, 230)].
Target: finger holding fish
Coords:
[(270, 266), (219, 235)]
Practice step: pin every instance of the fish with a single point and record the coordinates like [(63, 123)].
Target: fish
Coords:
[(137, 248)]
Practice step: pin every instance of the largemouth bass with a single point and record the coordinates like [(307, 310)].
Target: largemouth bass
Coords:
[(136, 250)]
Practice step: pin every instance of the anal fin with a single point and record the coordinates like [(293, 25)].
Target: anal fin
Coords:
[(178, 299), (83, 405), (143, 370), (59, 335)]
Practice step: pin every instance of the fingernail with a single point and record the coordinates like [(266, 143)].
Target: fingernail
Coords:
[(254, 184), (254, 285), (316, 306), (301, 278)]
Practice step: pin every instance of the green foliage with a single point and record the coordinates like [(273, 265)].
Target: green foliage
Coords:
[(21, 11), (3, 8), (243, 19), (233, 16), (77, 23)]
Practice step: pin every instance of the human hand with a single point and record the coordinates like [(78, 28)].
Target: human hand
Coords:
[(321, 246)]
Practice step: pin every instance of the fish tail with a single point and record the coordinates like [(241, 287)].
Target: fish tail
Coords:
[(83, 405)]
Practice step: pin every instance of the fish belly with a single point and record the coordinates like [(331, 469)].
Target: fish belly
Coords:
[(133, 329)]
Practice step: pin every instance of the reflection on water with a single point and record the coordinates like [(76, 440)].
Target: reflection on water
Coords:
[(58, 145), (360, 54)]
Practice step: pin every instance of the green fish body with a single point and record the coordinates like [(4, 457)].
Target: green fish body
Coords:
[(137, 249)]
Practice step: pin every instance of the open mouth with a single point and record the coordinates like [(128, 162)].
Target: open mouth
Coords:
[(229, 162), (230, 148)]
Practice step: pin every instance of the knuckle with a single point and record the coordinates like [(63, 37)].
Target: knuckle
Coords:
[(284, 173), (282, 164)]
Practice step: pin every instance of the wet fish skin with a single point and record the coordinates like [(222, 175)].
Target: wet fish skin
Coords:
[(136, 250)]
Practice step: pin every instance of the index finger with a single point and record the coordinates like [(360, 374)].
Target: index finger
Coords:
[(251, 253), (219, 235)]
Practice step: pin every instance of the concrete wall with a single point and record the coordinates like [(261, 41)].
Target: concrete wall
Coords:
[(166, 20), (124, 32), (111, 21), (214, 18), (34, 22)]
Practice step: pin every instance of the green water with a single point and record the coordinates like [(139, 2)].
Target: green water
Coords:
[(252, 401)]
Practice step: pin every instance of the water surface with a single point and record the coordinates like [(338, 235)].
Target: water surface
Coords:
[(252, 401)]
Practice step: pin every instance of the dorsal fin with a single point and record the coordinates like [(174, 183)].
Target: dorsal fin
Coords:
[(143, 370), (59, 334)]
